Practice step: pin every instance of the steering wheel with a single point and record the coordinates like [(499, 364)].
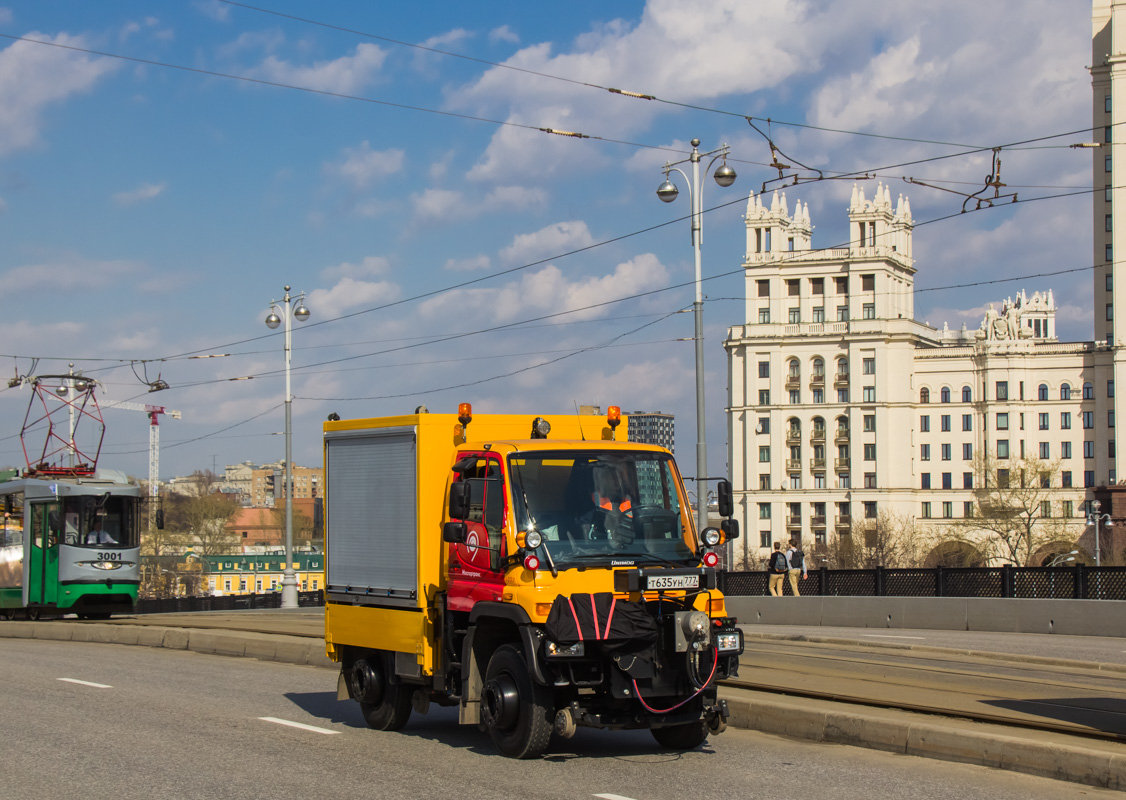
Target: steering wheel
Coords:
[(654, 521)]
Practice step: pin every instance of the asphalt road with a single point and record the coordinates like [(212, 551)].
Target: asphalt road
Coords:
[(91, 720)]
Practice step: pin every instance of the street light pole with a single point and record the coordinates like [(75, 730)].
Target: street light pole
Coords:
[(1094, 518), (290, 308), (667, 191)]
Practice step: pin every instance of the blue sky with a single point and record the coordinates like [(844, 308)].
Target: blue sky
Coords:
[(159, 187)]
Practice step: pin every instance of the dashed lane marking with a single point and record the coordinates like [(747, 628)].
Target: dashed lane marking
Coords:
[(86, 683), (613, 797), (300, 725)]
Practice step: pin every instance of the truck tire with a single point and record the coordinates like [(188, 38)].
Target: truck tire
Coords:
[(394, 707), (516, 710), (688, 736)]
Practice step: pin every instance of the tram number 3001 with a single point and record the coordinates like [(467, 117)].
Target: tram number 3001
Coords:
[(110, 556)]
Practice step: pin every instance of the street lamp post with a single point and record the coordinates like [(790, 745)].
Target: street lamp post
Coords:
[(667, 191), (1094, 518), (290, 308)]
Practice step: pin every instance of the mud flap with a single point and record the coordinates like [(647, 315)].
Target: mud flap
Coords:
[(342, 692)]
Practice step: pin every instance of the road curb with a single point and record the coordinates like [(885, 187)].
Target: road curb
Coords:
[(1096, 763), (1043, 754)]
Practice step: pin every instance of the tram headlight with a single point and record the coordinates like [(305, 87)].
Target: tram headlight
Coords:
[(103, 564)]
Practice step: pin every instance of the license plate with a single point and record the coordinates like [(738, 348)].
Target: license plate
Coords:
[(672, 582)]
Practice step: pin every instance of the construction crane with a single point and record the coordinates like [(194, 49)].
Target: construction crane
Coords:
[(154, 413)]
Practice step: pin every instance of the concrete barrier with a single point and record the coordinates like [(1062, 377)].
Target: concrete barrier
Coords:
[(1069, 617)]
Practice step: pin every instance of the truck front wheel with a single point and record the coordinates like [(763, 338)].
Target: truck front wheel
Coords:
[(688, 736), (516, 710)]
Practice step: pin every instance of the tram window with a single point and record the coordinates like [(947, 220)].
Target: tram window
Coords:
[(13, 519)]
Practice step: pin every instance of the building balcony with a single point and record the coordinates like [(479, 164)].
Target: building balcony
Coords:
[(841, 436), (793, 522), (817, 380), (793, 436), (842, 464), (817, 464), (793, 464), (793, 382), (817, 521), (841, 380), (844, 524), (817, 435)]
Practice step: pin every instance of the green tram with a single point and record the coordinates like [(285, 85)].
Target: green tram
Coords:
[(70, 545)]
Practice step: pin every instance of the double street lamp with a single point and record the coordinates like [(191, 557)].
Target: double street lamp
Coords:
[(290, 308), (1094, 518), (667, 191)]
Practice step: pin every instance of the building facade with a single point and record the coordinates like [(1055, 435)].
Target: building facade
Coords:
[(843, 406), (653, 427)]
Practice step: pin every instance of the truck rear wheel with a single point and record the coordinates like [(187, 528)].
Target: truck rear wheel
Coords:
[(391, 702), (688, 736), (516, 710)]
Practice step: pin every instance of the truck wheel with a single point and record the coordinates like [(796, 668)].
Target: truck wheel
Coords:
[(517, 711), (688, 736), (391, 711)]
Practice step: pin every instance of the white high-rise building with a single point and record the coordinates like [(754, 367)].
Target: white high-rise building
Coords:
[(842, 405)]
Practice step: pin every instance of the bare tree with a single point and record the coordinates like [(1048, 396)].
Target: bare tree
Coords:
[(201, 521), (889, 540), (303, 533), (1017, 509)]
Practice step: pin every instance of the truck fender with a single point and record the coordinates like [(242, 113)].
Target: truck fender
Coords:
[(531, 635)]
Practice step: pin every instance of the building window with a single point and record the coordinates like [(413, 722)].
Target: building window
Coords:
[(967, 451), (1002, 390), (764, 369), (869, 311), (1088, 449), (926, 511), (764, 539), (1003, 478), (795, 480), (1106, 103), (945, 422), (926, 480), (1045, 450), (795, 316), (867, 283), (1110, 448), (764, 483), (819, 314), (1107, 164), (1109, 222), (1110, 388), (924, 452), (795, 397), (1089, 390), (1065, 449), (869, 480), (1088, 419), (870, 452), (1109, 255), (1002, 422), (968, 509), (924, 395), (947, 480), (819, 480), (869, 423), (869, 366), (818, 395), (764, 510), (843, 481), (967, 480), (1067, 508), (944, 394), (1110, 419), (945, 452), (1065, 420), (925, 423), (1089, 479), (1044, 421), (842, 313), (947, 510), (793, 287), (841, 283), (763, 288), (764, 454), (1002, 448), (763, 315), (1065, 480), (842, 395), (869, 394), (967, 394)]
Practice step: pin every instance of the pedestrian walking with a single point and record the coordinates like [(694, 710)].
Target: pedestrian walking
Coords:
[(778, 567), (795, 560)]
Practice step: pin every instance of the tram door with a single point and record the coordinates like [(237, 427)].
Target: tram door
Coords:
[(43, 586)]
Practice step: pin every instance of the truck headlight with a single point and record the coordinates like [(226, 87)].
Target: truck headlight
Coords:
[(575, 650), (729, 641)]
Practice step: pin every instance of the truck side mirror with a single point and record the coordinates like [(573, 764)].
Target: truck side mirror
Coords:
[(459, 500), (726, 506), (730, 528), (454, 532)]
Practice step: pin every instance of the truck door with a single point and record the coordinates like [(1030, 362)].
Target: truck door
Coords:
[(475, 572), (43, 586)]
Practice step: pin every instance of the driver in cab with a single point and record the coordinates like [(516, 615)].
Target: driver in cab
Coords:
[(97, 534), (612, 512)]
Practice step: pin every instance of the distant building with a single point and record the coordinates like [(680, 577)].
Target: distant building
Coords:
[(653, 427), (268, 484)]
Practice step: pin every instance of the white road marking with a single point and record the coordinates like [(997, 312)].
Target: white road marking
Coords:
[(300, 725), (891, 636), (86, 683), (613, 797)]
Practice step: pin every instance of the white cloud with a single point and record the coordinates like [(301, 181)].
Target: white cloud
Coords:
[(550, 241), (433, 204), (344, 75), (215, 10), (424, 61), (5, 16), (70, 273), (503, 34), (350, 293), (361, 166), (369, 266), (142, 193), (466, 264), (446, 204), (34, 76)]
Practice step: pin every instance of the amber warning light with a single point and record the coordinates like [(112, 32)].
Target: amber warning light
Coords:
[(464, 413), (614, 416)]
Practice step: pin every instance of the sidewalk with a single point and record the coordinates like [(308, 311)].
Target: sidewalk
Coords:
[(293, 637)]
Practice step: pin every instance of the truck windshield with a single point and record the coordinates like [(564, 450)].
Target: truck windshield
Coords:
[(622, 505)]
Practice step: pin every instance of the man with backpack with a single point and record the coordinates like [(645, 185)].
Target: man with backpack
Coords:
[(778, 566), (796, 561)]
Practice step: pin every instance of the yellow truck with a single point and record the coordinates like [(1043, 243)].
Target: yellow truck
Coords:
[(536, 572)]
